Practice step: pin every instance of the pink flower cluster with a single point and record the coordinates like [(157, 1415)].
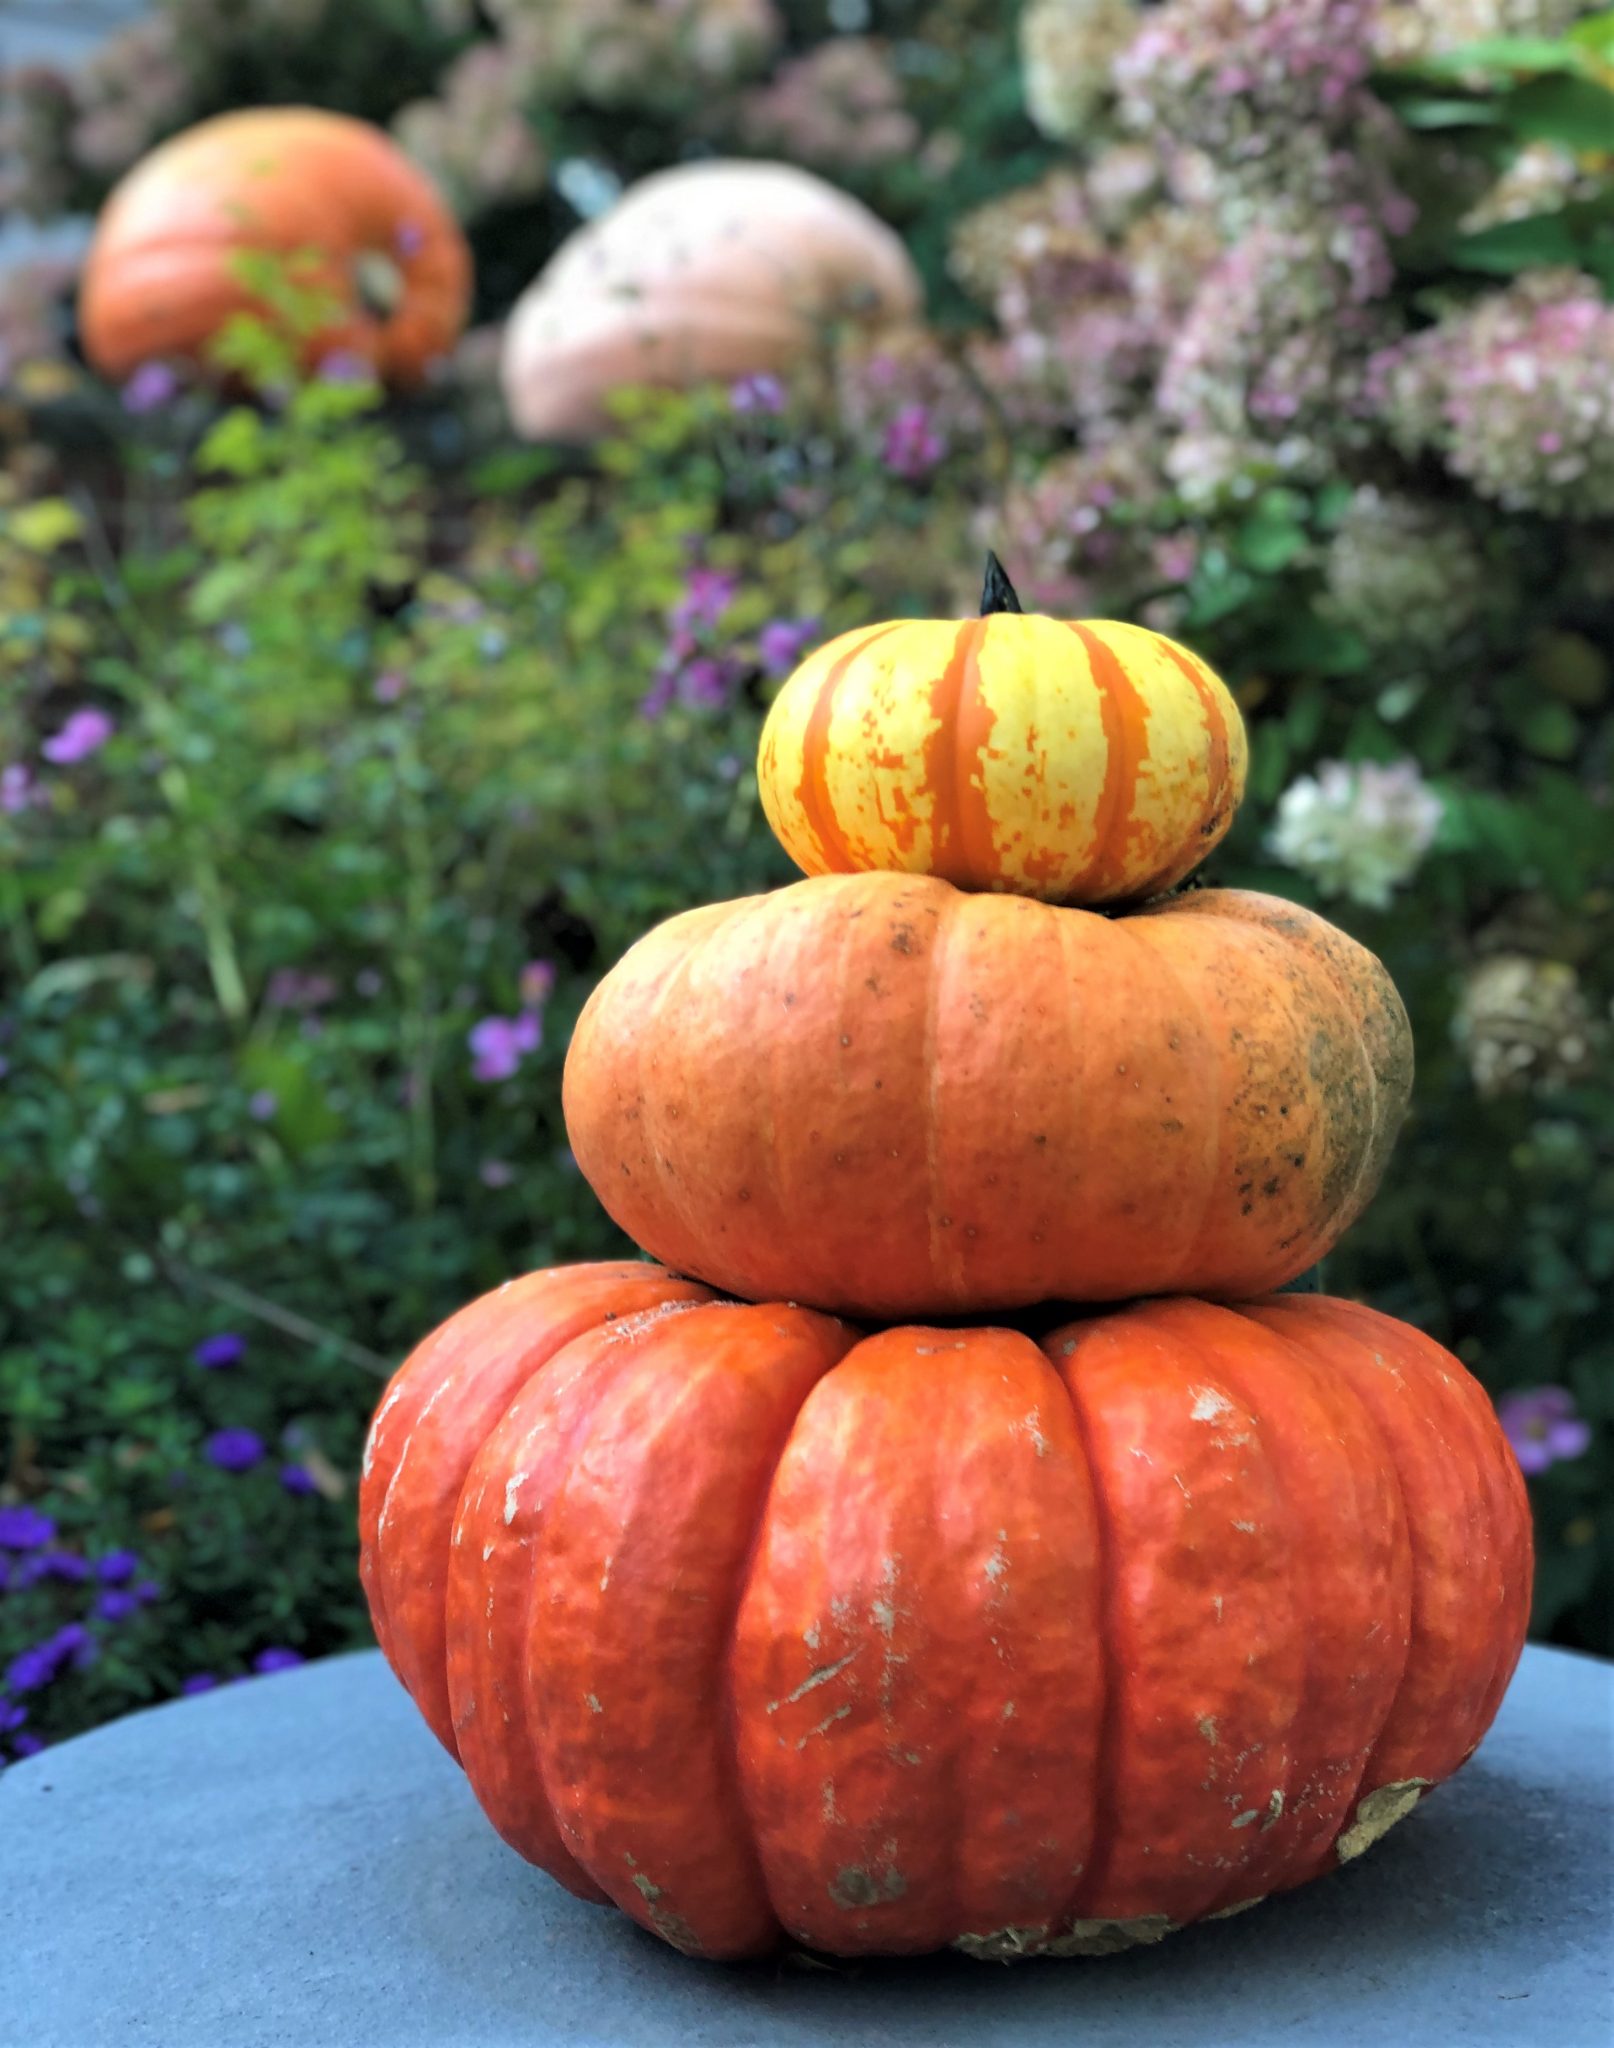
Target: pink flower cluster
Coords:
[(1239, 78), (840, 104), (1516, 393)]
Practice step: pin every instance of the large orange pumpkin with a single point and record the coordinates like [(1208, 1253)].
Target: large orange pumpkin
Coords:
[(881, 1096), (1081, 761), (161, 279), (934, 1637), (709, 270)]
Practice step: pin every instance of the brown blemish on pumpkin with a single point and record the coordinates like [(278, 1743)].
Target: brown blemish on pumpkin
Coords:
[(853, 1888), (1377, 1813)]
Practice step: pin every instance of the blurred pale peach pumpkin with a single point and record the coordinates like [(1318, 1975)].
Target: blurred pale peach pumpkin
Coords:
[(710, 271)]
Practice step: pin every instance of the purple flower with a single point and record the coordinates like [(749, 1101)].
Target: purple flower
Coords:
[(26, 1745), (215, 1353), (234, 1450), (24, 1528), (1542, 1426), (498, 1044), (536, 984), (495, 1173), (388, 687), (38, 1666), (73, 1644), (912, 446), (706, 681), (116, 1604), (151, 387), (345, 366), (783, 642), (147, 1590), (297, 1479), (276, 1660), (262, 1104), (708, 593), (658, 698), (17, 790), (117, 1567), (32, 1669), (60, 1564), (199, 1681), (11, 1717), (85, 733), (290, 989), (757, 394)]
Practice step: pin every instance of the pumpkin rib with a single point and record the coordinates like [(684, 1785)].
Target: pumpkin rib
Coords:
[(1211, 1654), (1109, 1661), (728, 1707), (506, 1776), (1218, 1127), (1307, 1355), (908, 1661), (1223, 1374), (461, 1379), (504, 1767), (639, 1769), (1496, 1484), (1321, 1595), (1426, 1731)]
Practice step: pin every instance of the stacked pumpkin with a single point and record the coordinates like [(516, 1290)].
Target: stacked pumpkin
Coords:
[(988, 1617)]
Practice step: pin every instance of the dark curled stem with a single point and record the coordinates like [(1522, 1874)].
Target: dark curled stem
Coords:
[(997, 592)]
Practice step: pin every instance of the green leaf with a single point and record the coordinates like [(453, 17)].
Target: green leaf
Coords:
[(45, 526), (1595, 34), (1504, 55), (1514, 245), (1433, 111), (1551, 730), (303, 1118), (1570, 109)]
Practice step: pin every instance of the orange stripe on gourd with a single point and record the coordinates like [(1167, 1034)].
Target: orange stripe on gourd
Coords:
[(1126, 718), (813, 792), (1221, 787), (963, 848)]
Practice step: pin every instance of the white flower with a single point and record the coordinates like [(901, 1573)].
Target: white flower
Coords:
[(1357, 829), (1067, 49)]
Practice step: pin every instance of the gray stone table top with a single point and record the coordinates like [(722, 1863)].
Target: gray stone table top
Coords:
[(294, 1863)]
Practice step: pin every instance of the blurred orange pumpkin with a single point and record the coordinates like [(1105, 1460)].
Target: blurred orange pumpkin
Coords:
[(713, 270), (162, 275)]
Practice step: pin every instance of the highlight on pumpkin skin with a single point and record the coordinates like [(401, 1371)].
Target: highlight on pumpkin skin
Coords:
[(1077, 761)]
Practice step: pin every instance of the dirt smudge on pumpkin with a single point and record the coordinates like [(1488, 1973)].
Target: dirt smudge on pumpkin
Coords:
[(853, 1887)]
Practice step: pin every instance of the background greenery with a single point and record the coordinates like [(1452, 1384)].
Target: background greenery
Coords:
[(376, 754)]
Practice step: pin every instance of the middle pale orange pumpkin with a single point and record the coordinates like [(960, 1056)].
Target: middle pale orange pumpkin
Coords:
[(879, 1095)]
